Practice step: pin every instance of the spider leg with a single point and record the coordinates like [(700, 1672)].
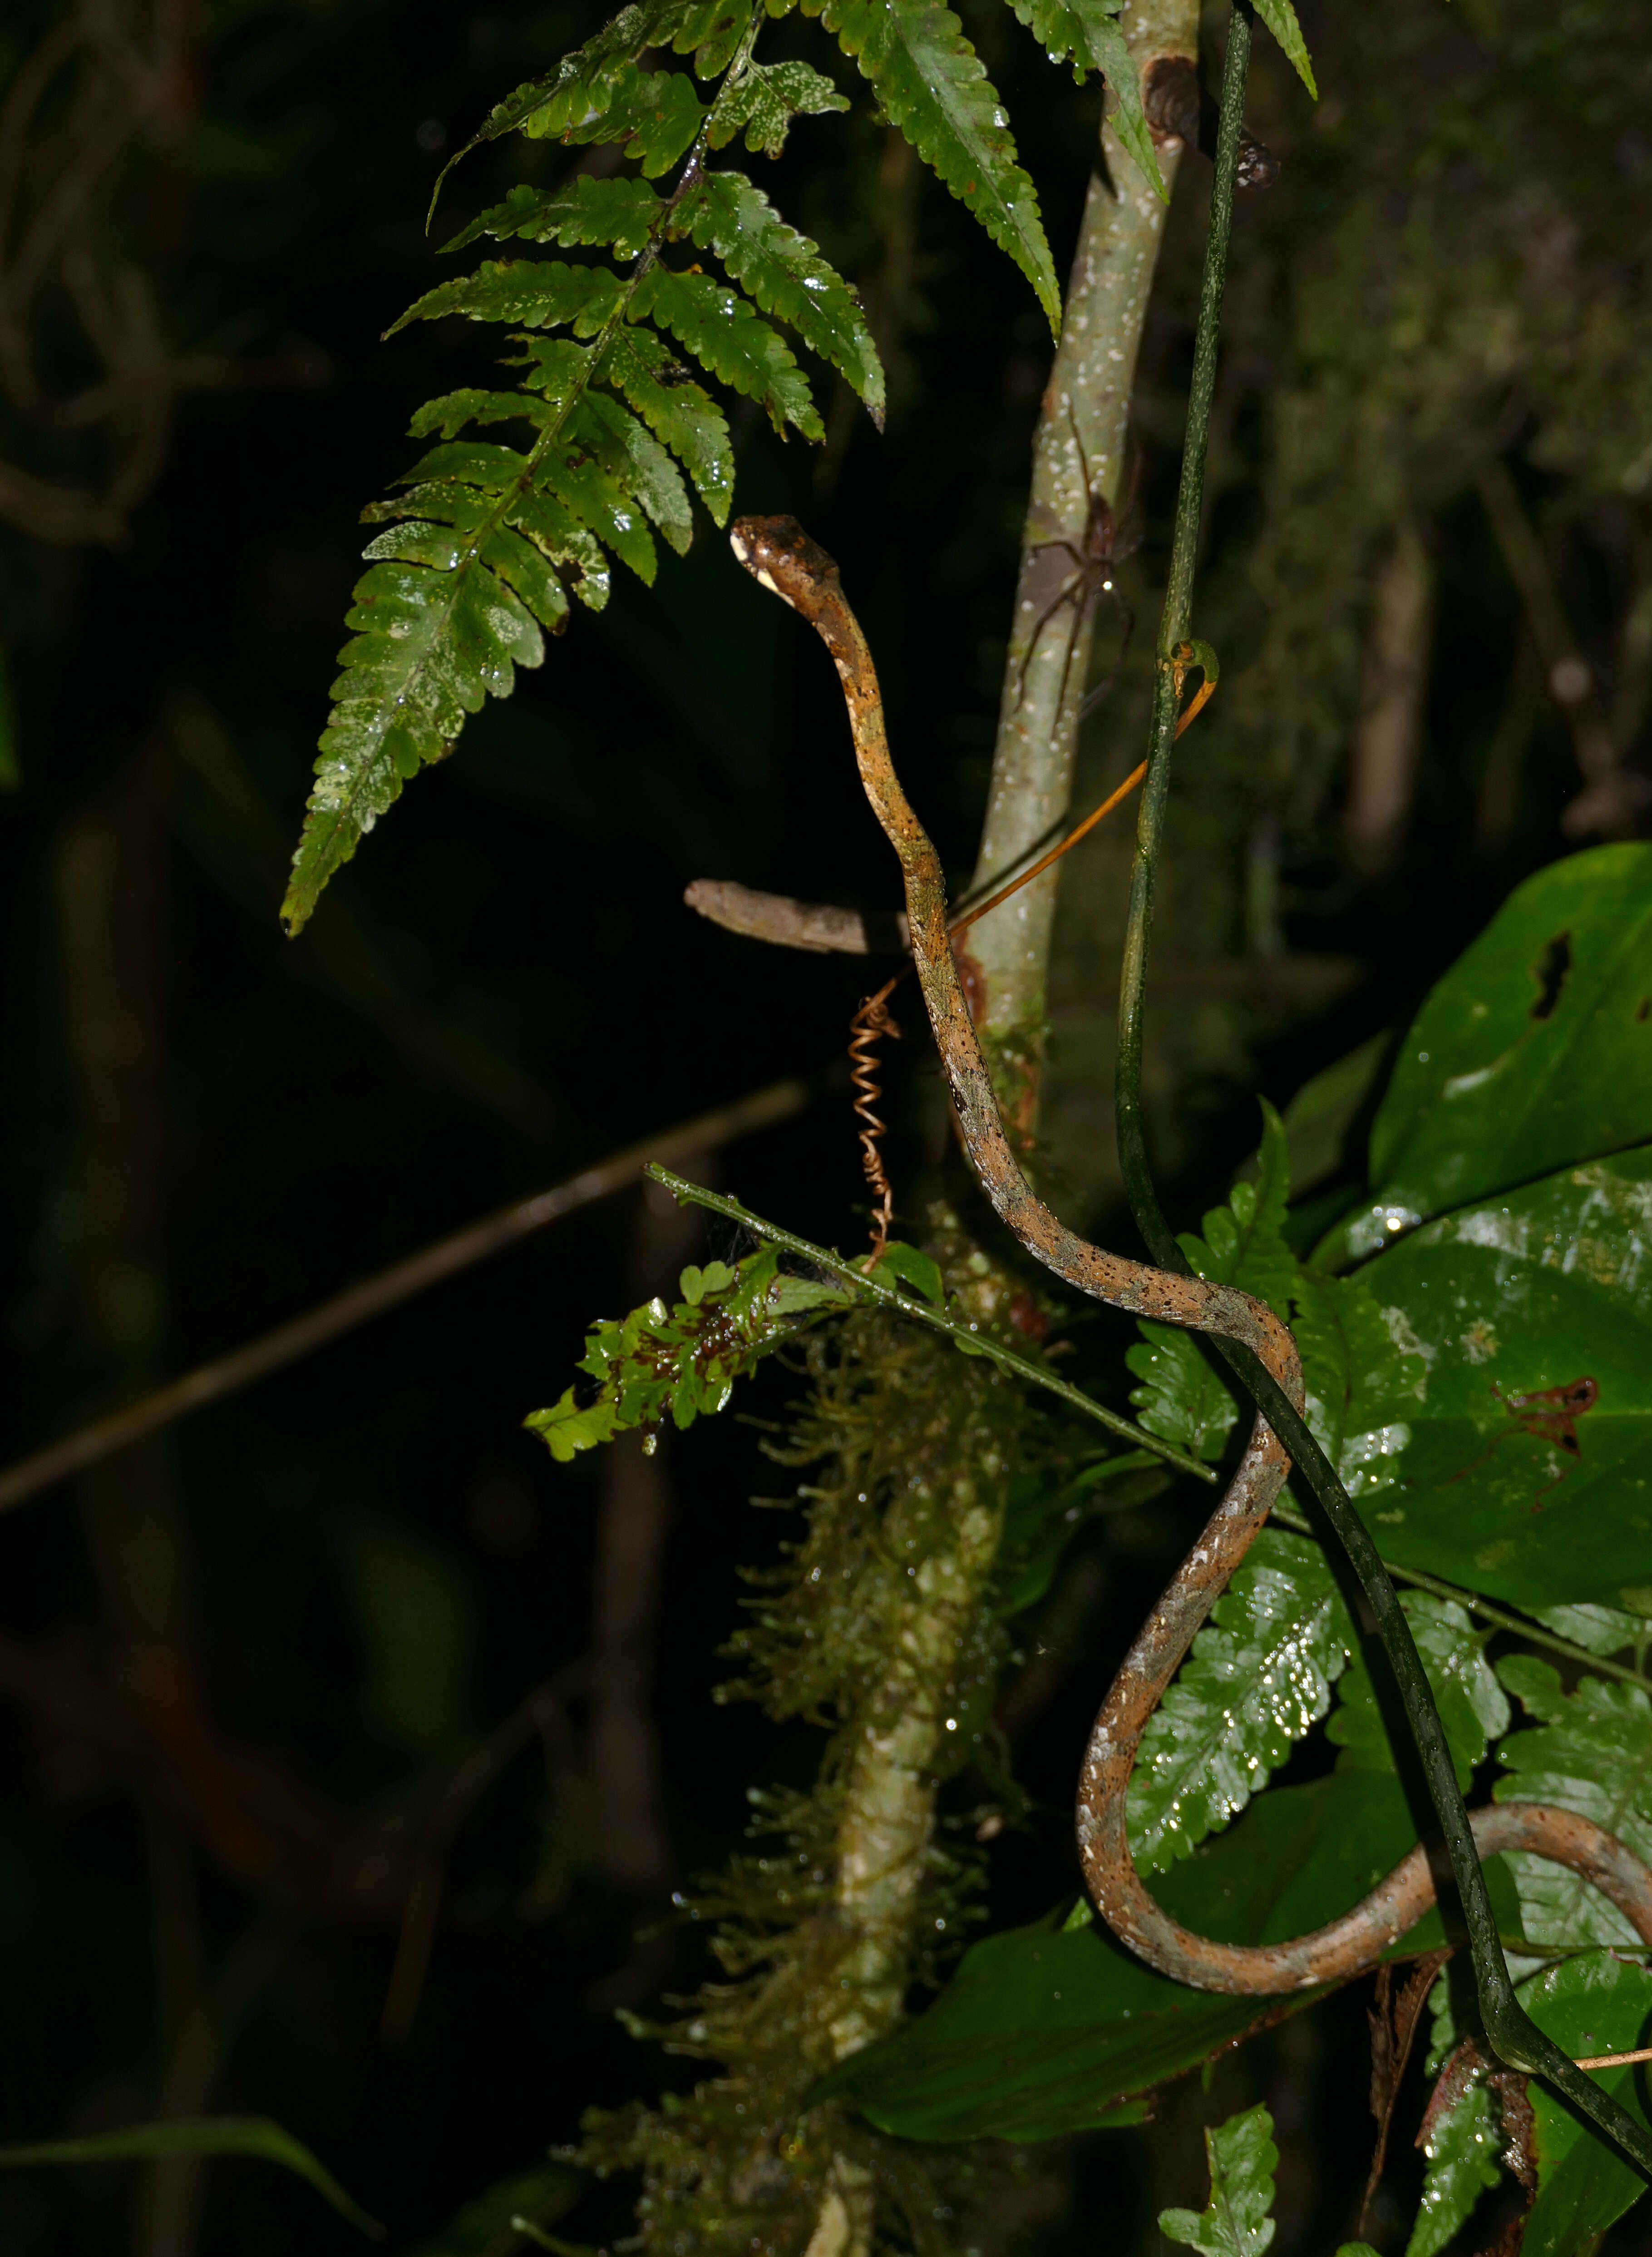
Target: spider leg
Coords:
[(1101, 690), (1066, 595)]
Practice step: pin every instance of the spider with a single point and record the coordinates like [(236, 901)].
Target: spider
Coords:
[(1094, 555), (1548, 1414)]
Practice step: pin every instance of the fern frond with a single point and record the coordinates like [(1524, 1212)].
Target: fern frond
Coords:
[(1089, 32), (785, 272), (676, 411), (1280, 20), (1591, 1751), (1236, 2222), (539, 293), (933, 85), (1472, 1707), (623, 214), (429, 645), (1258, 1679), (725, 333), (766, 99)]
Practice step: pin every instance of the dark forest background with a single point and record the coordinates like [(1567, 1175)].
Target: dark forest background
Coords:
[(261, 1676)]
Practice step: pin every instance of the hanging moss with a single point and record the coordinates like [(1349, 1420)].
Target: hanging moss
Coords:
[(876, 1626)]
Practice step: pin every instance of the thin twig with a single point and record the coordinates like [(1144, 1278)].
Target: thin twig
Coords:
[(1615, 2060), (209, 1382), (972, 1342)]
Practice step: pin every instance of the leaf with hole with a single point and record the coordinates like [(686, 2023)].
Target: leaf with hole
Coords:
[(1533, 1053)]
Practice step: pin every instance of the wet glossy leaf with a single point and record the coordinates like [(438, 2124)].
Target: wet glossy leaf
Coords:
[(1533, 1053), (1510, 1303), (1242, 2159), (931, 84), (1596, 2003), (1258, 1679), (1461, 2151), (913, 1266), (679, 413), (430, 644), (765, 99), (1471, 1704), (1089, 32), (535, 293), (1591, 1752), (1042, 1516), (257, 2136), (723, 331), (785, 274), (1043, 2031), (619, 212)]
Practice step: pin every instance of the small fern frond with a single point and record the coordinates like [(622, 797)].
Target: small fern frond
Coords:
[(539, 293), (725, 334), (1088, 32), (620, 212), (678, 412), (934, 87), (1590, 1751), (1258, 1679), (766, 102), (785, 272)]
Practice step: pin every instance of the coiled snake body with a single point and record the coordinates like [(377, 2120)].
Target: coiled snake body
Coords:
[(779, 554)]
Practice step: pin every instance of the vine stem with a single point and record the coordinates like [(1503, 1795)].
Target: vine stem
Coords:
[(961, 1335), (1514, 2036)]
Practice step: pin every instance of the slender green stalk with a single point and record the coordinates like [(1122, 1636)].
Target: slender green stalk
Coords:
[(1471, 1603), (963, 1336), (1513, 2034)]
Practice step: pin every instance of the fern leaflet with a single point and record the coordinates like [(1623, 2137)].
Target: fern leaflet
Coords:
[(1236, 2222), (1591, 1752), (1089, 31), (933, 85), (1257, 1679)]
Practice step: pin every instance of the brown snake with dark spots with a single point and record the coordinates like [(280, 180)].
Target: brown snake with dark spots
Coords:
[(779, 554)]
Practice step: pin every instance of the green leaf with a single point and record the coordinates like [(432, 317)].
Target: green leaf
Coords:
[(450, 414), (621, 213), (1042, 1516), (1533, 1053), (1469, 1700), (1461, 2148), (1280, 20), (557, 534), (1318, 1119), (541, 294), (1258, 1679), (1040, 2033), (656, 114), (931, 85), (1590, 1753), (1534, 1291), (765, 99), (913, 1268), (722, 330), (430, 644), (258, 2136), (681, 1362), (1596, 2003), (1088, 31), (1598, 1630), (676, 411), (787, 276), (1236, 2222), (1360, 1384)]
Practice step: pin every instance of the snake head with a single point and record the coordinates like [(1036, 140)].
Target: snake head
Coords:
[(779, 554)]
